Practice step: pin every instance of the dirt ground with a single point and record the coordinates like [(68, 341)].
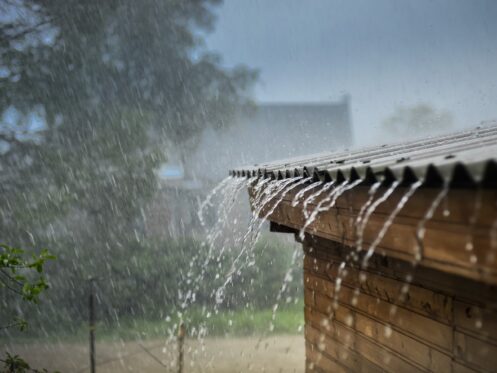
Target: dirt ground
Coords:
[(223, 355)]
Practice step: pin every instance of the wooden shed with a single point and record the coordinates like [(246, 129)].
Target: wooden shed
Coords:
[(400, 242)]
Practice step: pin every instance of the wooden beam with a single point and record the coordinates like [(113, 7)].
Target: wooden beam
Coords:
[(457, 238)]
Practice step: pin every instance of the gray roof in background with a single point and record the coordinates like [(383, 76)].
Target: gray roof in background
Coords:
[(462, 159), (273, 131)]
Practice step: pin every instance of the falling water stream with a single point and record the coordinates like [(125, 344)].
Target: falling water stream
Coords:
[(277, 188), (388, 222), (300, 194), (323, 207), (361, 221), (315, 195), (266, 195), (421, 228), (370, 210), (469, 246), (229, 188)]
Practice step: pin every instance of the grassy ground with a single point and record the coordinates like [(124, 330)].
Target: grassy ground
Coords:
[(282, 353), (288, 320), (245, 322), (237, 341)]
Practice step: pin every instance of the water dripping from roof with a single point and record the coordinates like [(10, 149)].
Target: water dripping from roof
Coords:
[(421, 228), (469, 246), (371, 209), (315, 195), (303, 191), (388, 222), (207, 202), (274, 188), (323, 207)]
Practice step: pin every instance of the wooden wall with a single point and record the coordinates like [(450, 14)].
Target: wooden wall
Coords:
[(446, 237), (440, 323)]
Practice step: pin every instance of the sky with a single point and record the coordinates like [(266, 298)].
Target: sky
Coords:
[(383, 53)]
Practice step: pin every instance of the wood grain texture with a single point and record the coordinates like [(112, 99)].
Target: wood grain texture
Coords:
[(371, 324), (457, 238)]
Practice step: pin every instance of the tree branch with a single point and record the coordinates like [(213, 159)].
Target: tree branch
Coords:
[(12, 140)]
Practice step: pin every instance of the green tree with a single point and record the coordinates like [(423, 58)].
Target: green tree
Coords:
[(90, 92), (417, 121), (22, 278)]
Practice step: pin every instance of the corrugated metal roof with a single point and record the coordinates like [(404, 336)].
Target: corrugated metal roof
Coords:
[(462, 159)]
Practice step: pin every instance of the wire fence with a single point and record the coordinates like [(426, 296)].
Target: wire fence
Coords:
[(95, 291), (143, 350)]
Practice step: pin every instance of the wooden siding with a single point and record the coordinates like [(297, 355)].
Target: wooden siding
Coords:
[(472, 213), (442, 323)]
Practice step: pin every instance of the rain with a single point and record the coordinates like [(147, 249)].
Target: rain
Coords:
[(248, 186)]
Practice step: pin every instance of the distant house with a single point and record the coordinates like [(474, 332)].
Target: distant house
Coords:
[(270, 131), (274, 131)]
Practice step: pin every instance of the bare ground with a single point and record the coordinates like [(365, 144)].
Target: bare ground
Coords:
[(223, 355)]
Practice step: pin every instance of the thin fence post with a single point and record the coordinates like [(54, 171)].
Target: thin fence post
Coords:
[(91, 322), (181, 340)]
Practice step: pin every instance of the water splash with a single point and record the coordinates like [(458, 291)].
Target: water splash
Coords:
[(284, 286), (367, 209), (323, 207), (228, 190), (313, 196), (352, 255), (421, 229), (469, 246), (207, 202), (361, 222), (283, 194), (275, 188), (372, 192), (370, 210), (381, 234), (420, 233), (303, 191)]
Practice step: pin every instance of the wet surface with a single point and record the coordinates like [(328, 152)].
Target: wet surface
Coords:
[(251, 354)]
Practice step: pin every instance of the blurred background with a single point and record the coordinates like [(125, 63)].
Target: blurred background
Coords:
[(118, 118)]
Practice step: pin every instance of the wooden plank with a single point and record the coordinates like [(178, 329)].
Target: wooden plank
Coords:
[(424, 301), (459, 202), (324, 323), (309, 297), (371, 350), (460, 368), (445, 238), (477, 320), (406, 346), (388, 336), (476, 352), (420, 327), (466, 309), (320, 362), (337, 352), (446, 283), (443, 249), (419, 299)]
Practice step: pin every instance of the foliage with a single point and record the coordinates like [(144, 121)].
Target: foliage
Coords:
[(271, 269), (240, 322), (15, 364), (17, 280), (17, 276), (147, 285), (91, 93), (417, 121), (110, 83)]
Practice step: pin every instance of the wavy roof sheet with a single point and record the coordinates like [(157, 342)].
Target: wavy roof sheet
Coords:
[(461, 159)]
